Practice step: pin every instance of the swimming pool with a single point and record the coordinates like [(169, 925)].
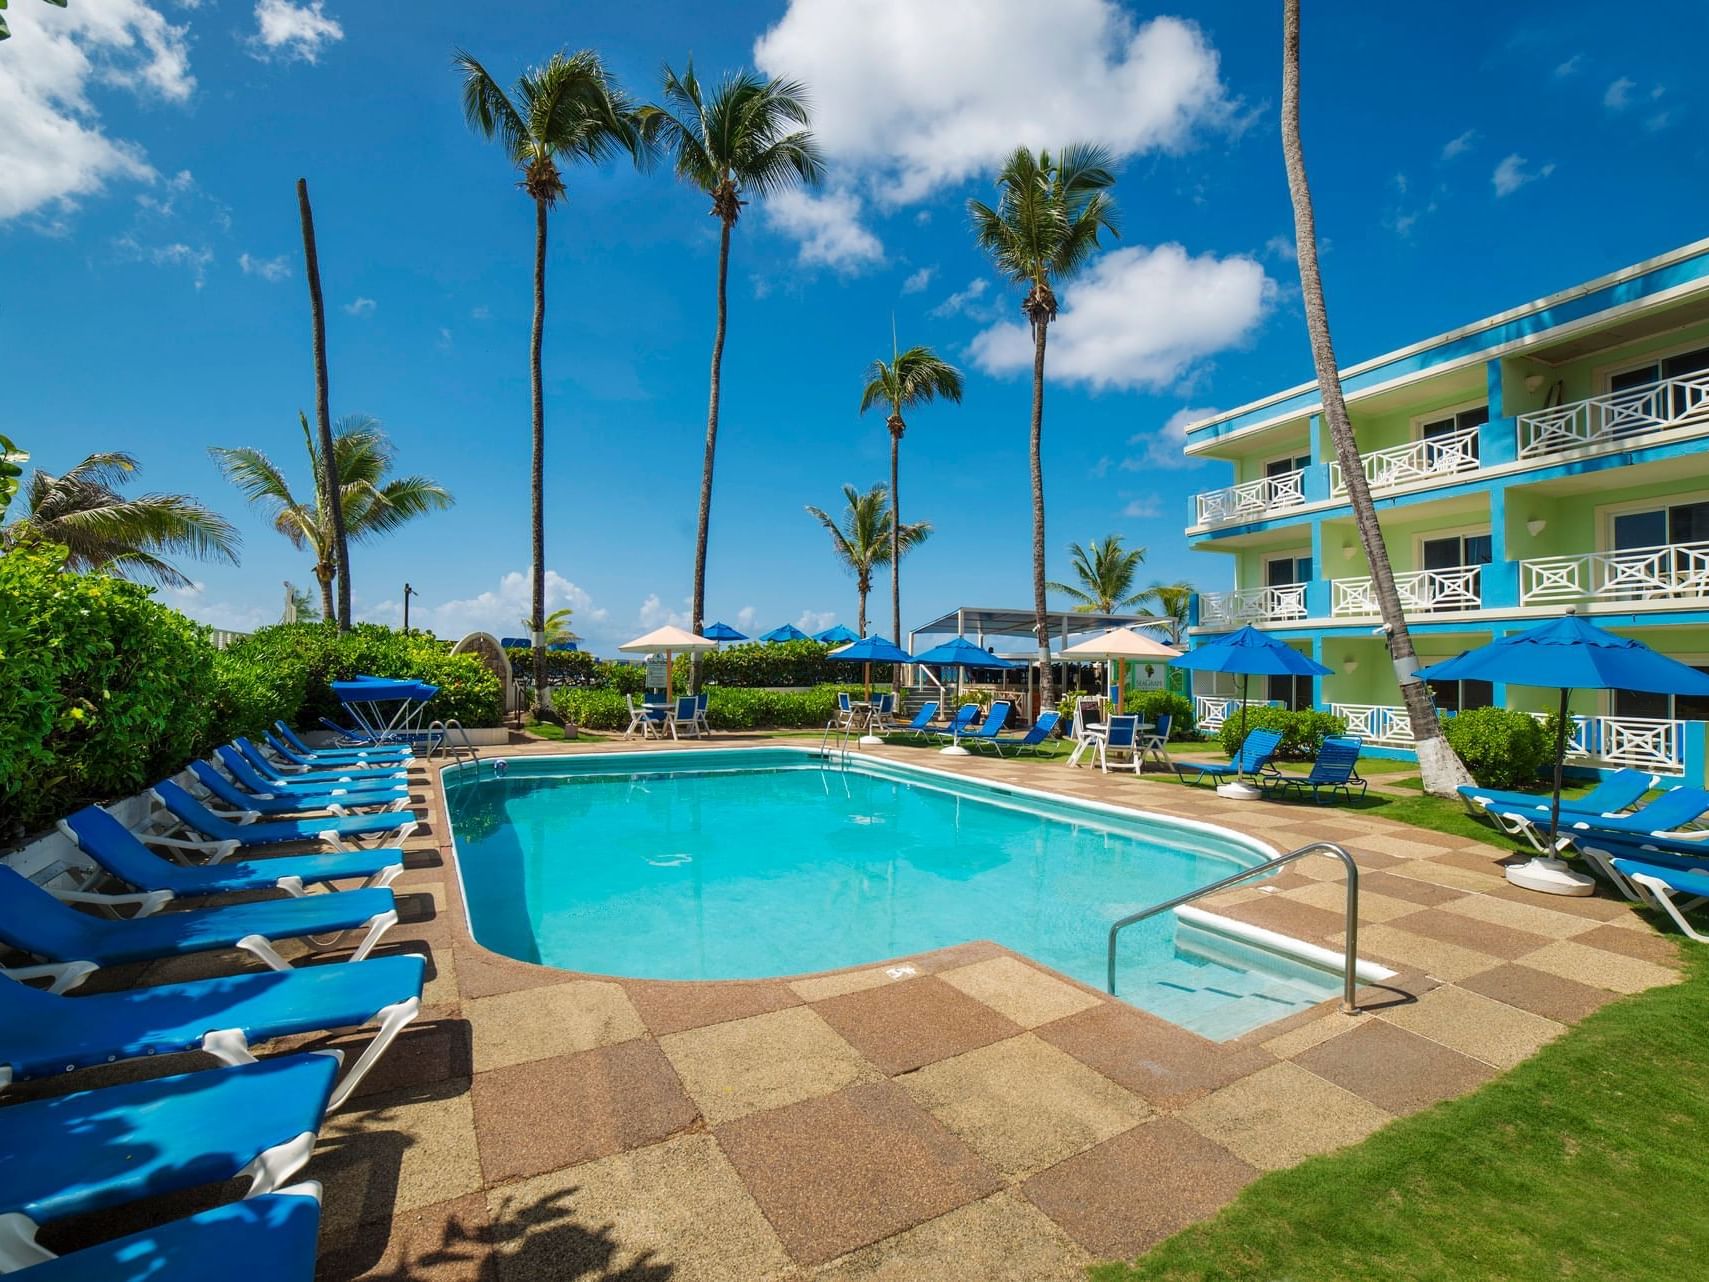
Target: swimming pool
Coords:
[(749, 863)]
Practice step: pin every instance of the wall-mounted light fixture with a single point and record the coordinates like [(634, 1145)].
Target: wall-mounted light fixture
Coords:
[(1347, 551), (1536, 525), (1533, 382), (1349, 664)]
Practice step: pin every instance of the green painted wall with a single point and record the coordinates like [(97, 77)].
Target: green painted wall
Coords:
[(1580, 377)]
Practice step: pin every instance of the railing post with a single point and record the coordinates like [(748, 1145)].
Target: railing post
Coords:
[(1694, 748)]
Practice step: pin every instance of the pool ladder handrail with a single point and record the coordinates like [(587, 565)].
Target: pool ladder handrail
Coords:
[(835, 727), (439, 739), (1350, 963)]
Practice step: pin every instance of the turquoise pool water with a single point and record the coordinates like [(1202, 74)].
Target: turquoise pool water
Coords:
[(752, 863)]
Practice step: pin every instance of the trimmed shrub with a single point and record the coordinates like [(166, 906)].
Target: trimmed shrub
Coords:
[(1503, 748), (727, 708), (105, 690), (1151, 704), (1302, 732), (757, 666)]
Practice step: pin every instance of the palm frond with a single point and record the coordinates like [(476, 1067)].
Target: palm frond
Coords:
[(485, 106)]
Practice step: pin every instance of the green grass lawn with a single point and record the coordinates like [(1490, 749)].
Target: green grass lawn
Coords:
[(1586, 1161)]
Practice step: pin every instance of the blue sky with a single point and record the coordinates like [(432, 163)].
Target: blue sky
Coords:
[(154, 298)]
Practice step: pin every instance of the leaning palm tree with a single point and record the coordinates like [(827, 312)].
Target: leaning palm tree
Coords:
[(1174, 602), (374, 502), (748, 139), (557, 629), (867, 537), (568, 110), (106, 531), (1106, 572), (1045, 226), (917, 376), (1441, 771)]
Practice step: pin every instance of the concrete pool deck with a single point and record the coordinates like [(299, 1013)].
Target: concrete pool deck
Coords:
[(965, 1113)]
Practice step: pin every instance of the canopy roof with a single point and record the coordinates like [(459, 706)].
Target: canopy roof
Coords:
[(666, 638), (873, 649), (986, 623)]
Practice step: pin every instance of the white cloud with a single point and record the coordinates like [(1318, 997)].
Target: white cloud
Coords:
[(1570, 67), (272, 270), (1459, 146), (193, 601), (1619, 93), (289, 30), (915, 97), (962, 300), (360, 307), (1141, 508), (53, 147), (194, 259), (1512, 174), (1661, 120), (828, 227), (499, 610), (1166, 447), (444, 342), (917, 281), (746, 617), (654, 613), (1283, 248), (1139, 317), (481, 313), (811, 621)]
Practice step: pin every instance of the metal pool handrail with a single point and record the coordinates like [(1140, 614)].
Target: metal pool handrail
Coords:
[(1351, 961)]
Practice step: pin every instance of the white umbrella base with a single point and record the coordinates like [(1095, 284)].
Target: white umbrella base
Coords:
[(1239, 791), (1550, 877), (954, 750), (870, 741)]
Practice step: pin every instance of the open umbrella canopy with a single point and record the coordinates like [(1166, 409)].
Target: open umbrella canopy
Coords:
[(837, 635), (669, 639), (1120, 643), (788, 632), (1250, 652), (874, 649), (1570, 654), (959, 652), (723, 632), (516, 643)]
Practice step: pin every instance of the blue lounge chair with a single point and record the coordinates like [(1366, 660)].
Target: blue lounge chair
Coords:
[(73, 945), (963, 718), (345, 777), (1155, 742), (921, 725), (303, 754), (1601, 848), (243, 770), (338, 831), (226, 798), (90, 1151), (1619, 791), (1029, 742), (685, 717), (988, 730), (1120, 737), (1254, 758), (290, 759), (1336, 769), (121, 853), (271, 1238), (1667, 814), (43, 1034), (1660, 883)]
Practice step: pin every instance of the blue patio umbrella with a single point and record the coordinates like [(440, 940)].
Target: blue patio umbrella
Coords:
[(722, 632), (516, 643), (563, 647), (838, 635), (788, 632), (871, 650), (961, 654), (1250, 653), (1567, 654)]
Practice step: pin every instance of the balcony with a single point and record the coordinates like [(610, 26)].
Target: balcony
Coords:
[(1642, 743), (1674, 572), (1398, 465), (1600, 420), (1253, 605), (1421, 592), (1253, 500)]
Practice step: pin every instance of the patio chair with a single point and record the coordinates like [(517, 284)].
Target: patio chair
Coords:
[(340, 756), (121, 853), (339, 776), (94, 1150), (73, 945), (1254, 758), (1087, 728), (845, 710), (337, 831), (991, 727), (44, 1033), (1601, 848), (649, 719), (1667, 815), (702, 703), (1660, 883), (1618, 791), (884, 713), (271, 1238), (1335, 769), (1120, 738), (958, 724), (1155, 744), (685, 717), (1041, 730), (226, 798), (920, 726), (243, 770)]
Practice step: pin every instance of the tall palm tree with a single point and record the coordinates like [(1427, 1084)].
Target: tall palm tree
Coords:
[(867, 537), (1174, 602), (748, 139), (83, 509), (374, 502), (301, 607), (1441, 771), (917, 376), (1106, 572), (1045, 226), (566, 111), (557, 627)]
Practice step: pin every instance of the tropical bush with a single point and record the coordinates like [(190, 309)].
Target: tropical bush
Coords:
[(1151, 704), (105, 690), (788, 663), (1302, 732), (1502, 747), (727, 708)]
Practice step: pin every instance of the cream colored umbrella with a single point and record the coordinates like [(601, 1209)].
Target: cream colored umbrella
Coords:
[(671, 641), (1118, 646)]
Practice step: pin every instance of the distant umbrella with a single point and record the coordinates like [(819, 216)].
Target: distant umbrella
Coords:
[(838, 635), (1249, 653), (788, 632), (722, 632)]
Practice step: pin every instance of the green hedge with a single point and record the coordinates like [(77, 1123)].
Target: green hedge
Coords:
[(1302, 732), (1150, 704), (788, 663), (726, 708), (103, 690), (1503, 748)]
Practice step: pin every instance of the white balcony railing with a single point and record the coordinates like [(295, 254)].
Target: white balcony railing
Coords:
[(1670, 572), (1376, 723), (1421, 592), (1654, 407), (1211, 710), (1415, 461), (1252, 605), (1640, 742), (1252, 500)]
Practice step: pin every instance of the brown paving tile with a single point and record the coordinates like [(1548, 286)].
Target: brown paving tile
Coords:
[(1156, 1060), (819, 987), (764, 1061), (396, 1153), (1001, 1236), (1123, 1196), (673, 1007), (1394, 1069), (906, 1026), (537, 1023), (1605, 905), (1331, 896), (1299, 920), (1614, 971), (1534, 918), (548, 1113), (1021, 992), (1024, 1104), (1282, 1115), (1399, 886), (1469, 932), (1435, 956), (1489, 860), (1314, 1032), (1475, 1025), (1539, 992), (1663, 950), (837, 1173), (484, 974), (444, 1242)]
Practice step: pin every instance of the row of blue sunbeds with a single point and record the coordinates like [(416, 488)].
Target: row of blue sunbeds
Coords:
[(90, 1151), (1334, 770), (1651, 852), (988, 733)]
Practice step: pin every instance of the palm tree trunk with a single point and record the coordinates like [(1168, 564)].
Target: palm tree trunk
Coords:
[(323, 415), (863, 585), (1041, 617), (699, 607), (896, 430), (537, 468), (1441, 770), (324, 575)]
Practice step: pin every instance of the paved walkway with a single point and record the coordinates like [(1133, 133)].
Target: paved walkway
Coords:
[(965, 1114)]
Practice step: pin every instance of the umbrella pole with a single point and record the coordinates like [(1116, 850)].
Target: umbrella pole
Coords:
[(1560, 756), (1548, 872), (669, 698), (1240, 748)]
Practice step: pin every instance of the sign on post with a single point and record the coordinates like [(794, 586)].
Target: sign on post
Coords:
[(657, 671)]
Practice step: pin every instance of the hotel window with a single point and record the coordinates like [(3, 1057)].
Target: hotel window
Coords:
[(1679, 400), (1282, 466), (1293, 693), (1453, 551), (1429, 430), (1462, 696), (1662, 707)]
